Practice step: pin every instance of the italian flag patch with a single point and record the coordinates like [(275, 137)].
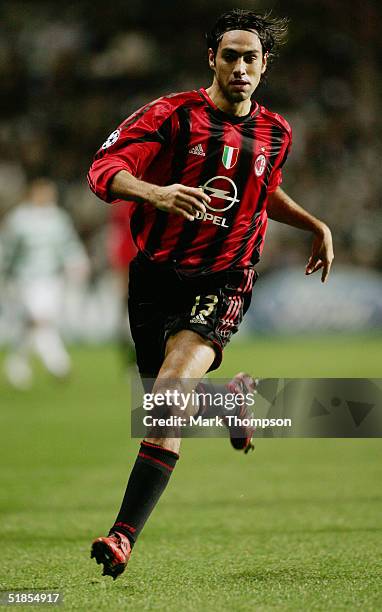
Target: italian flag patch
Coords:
[(230, 155)]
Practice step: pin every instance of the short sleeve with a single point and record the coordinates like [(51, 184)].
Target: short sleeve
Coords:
[(276, 177), (275, 180)]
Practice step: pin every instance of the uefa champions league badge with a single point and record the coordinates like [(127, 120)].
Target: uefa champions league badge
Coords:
[(260, 164), (111, 139)]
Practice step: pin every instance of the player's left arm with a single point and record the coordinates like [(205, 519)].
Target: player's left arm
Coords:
[(284, 209)]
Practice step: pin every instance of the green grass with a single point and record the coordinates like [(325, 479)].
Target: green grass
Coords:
[(295, 526)]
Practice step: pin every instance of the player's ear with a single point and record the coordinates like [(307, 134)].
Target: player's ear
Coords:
[(211, 59), (265, 60)]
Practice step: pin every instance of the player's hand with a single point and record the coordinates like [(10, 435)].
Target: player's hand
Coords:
[(180, 200), (322, 253)]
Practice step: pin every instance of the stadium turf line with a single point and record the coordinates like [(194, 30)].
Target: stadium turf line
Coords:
[(295, 526)]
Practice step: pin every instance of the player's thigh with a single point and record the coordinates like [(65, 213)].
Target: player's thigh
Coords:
[(188, 355), (146, 325), (148, 312), (42, 299)]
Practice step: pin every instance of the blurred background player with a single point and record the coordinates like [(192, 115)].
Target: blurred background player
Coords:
[(121, 250), (39, 247)]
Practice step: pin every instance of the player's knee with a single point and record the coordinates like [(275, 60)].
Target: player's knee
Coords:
[(173, 399)]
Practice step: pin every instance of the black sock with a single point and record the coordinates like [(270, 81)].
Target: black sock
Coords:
[(148, 480)]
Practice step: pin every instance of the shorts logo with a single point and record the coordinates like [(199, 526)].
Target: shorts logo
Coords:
[(199, 319), (203, 307), (229, 157), (260, 164), (112, 139), (216, 193)]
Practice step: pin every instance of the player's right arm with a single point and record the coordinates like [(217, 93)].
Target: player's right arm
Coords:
[(121, 162), (177, 199)]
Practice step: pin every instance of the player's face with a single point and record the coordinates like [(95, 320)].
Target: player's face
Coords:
[(238, 64), (44, 193)]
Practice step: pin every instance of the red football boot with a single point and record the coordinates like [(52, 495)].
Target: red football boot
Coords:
[(241, 435), (113, 551)]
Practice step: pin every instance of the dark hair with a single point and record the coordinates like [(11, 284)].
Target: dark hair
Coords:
[(271, 31)]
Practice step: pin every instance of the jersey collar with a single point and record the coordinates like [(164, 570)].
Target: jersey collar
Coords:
[(226, 116)]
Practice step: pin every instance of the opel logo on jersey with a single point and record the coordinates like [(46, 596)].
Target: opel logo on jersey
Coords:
[(260, 164), (112, 139), (218, 193)]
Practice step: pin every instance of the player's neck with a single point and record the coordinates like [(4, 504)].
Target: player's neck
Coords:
[(238, 109)]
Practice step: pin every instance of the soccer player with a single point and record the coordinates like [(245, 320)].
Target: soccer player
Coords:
[(40, 245), (202, 170)]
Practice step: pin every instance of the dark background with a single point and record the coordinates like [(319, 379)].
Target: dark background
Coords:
[(71, 72)]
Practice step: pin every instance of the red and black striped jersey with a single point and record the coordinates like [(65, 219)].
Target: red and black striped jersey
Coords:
[(184, 138)]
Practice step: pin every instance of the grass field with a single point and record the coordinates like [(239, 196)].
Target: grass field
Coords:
[(295, 526)]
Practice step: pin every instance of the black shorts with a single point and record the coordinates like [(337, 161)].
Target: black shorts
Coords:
[(162, 303)]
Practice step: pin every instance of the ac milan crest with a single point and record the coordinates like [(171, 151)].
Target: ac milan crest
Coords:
[(260, 164)]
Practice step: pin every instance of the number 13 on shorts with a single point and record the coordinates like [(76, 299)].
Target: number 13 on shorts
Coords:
[(206, 308)]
